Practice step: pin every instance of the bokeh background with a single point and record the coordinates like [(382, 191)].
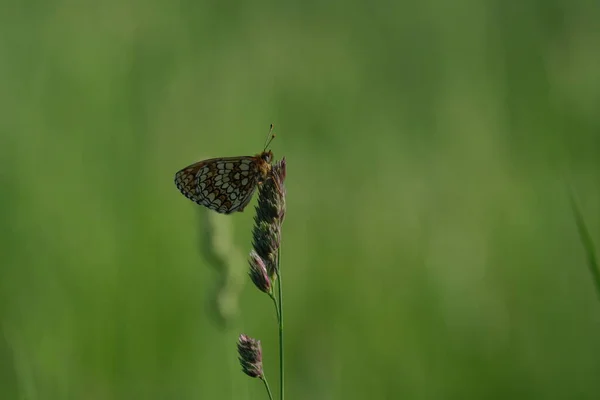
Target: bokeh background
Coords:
[(429, 248)]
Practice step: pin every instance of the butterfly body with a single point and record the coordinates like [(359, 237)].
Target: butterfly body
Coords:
[(225, 185)]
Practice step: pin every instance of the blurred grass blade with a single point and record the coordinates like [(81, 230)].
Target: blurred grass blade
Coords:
[(217, 246), (586, 240)]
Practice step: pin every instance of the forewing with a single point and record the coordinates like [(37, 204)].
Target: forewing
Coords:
[(186, 180), (225, 185)]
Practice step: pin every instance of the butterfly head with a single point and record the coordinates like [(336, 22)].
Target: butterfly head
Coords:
[(267, 156), (263, 161)]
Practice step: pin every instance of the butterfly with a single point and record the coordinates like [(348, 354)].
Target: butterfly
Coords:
[(226, 184)]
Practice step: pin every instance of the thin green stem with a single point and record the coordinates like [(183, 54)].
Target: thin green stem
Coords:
[(280, 303), (586, 240), (264, 379), (275, 304)]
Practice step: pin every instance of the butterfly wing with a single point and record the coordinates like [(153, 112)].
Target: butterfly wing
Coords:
[(225, 184)]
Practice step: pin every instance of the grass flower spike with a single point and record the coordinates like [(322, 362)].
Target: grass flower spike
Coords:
[(264, 261), (250, 356), (270, 213), (266, 243), (258, 273)]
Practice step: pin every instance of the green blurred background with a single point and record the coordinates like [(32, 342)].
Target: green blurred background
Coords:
[(429, 249)]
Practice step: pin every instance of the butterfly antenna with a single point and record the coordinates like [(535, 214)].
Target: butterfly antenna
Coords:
[(270, 138)]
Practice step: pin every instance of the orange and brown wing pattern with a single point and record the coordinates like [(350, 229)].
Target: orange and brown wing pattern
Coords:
[(225, 185)]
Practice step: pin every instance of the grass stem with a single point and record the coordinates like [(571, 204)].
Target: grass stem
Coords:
[(280, 303), (276, 305), (264, 379), (586, 240)]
